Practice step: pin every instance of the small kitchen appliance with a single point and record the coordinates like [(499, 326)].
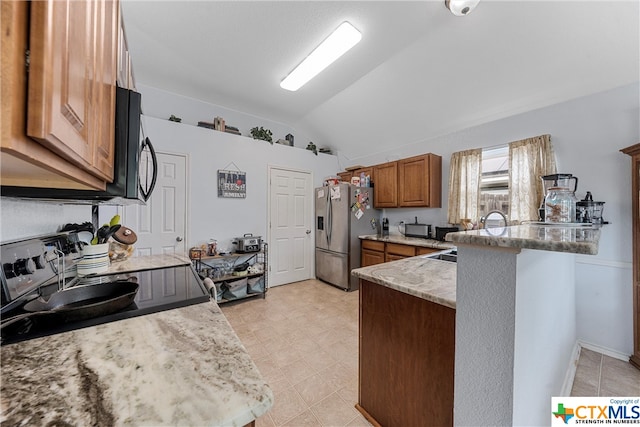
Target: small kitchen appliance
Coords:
[(559, 201), (248, 243), (588, 211), (441, 232), (417, 230), (385, 227)]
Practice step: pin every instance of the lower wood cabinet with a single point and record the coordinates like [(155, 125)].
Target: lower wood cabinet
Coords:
[(374, 252), (395, 251), (406, 362), (423, 251), (371, 253)]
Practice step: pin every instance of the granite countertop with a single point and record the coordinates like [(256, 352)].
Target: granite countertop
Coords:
[(578, 239), (184, 366), (136, 263), (412, 241), (430, 279)]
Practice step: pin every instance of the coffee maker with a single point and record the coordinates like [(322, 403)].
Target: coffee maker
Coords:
[(559, 200)]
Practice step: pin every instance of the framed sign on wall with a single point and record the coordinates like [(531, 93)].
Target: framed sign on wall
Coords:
[(232, 184)]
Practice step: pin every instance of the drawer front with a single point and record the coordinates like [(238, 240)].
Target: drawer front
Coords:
[(404, 250), (423, 251), (372, 245)]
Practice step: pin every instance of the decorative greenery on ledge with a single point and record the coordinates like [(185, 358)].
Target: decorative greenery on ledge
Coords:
[(262, 133)]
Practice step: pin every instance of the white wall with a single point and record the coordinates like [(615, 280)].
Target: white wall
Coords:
[(208, 151), (545, 332), (162, 104)]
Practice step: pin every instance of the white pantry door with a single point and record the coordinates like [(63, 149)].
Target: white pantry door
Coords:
[(290, 216), (161, 224)]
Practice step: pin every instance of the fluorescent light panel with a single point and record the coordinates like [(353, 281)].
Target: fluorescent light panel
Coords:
[(332, 48)]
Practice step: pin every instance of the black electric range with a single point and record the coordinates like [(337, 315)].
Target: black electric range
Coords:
[(31, 270)]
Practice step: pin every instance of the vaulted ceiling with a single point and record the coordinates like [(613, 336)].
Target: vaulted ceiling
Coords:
[(418, 72)]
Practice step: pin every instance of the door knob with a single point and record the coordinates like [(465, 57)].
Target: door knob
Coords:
[(308, 231), (178, 239)]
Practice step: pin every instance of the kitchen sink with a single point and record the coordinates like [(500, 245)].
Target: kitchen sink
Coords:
[(451, 256)]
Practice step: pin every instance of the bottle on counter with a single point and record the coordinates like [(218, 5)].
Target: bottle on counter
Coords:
[(212, 247)]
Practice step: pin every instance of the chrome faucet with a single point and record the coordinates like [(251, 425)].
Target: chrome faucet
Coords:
[(491, 216)]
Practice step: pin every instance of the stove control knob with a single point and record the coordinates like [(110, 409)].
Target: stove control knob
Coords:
[(38, 261), (24, 266), (8, 270)]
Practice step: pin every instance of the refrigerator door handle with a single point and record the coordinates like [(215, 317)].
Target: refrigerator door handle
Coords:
[(329, 219)]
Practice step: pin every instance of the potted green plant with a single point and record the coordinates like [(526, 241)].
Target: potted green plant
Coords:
[(262, 133)]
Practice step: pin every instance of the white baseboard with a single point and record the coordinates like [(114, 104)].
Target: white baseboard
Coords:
[(604, 350), (570, 375)]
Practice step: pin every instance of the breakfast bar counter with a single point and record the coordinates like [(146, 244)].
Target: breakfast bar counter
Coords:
[(515, 320), (504, 313)]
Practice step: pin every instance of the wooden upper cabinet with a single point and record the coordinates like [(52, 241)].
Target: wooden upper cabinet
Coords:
[(345, 176), (25, 162), (71, 96), (385, 190), (365, 171), (411, 182), (420, 181)]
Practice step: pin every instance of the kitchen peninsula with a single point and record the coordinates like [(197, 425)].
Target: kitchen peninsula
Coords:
[(184, 366), (508, 307)]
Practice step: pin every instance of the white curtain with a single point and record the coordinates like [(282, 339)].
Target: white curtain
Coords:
[(464, 185), (529, 159)]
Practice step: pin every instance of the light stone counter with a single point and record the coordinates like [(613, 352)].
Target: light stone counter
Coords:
[(178, 367), (136, 263), (425, 278), (412, 241), (545, 237)]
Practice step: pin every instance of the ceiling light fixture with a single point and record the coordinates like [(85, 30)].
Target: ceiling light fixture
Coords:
[(332, 48), (461, 7)]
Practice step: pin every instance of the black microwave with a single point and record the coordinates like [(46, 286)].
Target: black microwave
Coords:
[(134, 169)]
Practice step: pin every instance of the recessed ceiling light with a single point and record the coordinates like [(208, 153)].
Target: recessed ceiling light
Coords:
[(332, 48), (461, 7)]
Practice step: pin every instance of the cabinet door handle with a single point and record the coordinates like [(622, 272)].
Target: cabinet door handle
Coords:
[(178, 239), (308, 231)]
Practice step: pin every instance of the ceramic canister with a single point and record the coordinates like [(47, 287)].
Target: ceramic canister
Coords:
[(95, 259)]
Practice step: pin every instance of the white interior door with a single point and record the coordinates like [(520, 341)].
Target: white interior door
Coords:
[(290, 216), (161, 224)]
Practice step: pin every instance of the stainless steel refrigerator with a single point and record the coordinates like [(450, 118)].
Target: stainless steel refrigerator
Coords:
[(343, 212)]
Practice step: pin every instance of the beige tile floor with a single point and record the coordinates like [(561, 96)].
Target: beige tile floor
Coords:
[(601, 375), (304, 339)]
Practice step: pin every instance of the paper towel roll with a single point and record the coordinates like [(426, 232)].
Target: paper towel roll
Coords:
[(208, 283)]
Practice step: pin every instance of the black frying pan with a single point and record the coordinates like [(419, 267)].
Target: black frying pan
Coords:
[(81, 302)]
